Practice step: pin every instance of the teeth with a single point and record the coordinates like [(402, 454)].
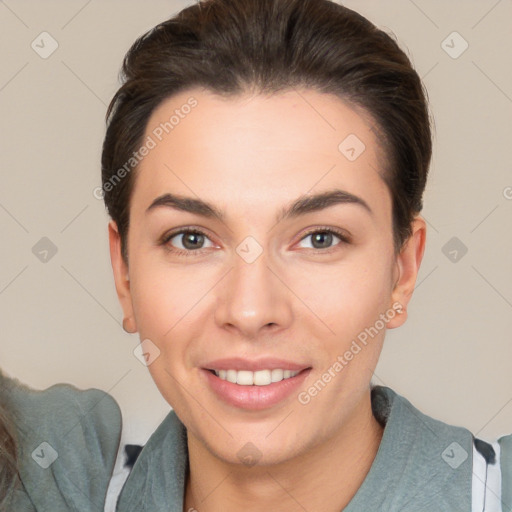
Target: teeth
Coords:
[(259, 378)]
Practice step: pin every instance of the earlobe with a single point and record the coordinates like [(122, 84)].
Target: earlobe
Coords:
[(408, 263), (121, 278), (129, 325)]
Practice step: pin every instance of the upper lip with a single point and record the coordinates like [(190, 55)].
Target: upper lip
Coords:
[(266, 363)]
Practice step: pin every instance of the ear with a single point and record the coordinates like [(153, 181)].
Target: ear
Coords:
[(408, 264), (121, 278)]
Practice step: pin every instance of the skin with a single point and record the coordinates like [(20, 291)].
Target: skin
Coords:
[(251, 156)]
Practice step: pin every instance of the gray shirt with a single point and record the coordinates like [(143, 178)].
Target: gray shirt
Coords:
[(422, 465), (67, 445)]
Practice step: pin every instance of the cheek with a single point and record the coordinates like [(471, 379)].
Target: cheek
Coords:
[(163, 305), (350, 302), (164, 297), (348, 296)]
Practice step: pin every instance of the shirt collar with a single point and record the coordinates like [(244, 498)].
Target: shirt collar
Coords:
[(422, 464)]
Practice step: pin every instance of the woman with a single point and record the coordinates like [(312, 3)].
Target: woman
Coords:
[(264, 166), (57, 447)]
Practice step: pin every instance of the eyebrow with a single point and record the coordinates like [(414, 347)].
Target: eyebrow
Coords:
[(306, 203)]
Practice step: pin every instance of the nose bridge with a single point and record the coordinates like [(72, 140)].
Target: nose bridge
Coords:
[(251, 296)]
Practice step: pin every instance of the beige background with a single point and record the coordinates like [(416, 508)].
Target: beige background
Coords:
[(60, 319)]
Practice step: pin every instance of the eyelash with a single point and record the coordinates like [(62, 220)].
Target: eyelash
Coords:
[(180, 252)]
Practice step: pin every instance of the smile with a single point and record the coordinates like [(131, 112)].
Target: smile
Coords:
[(258, 378), (254, 390)]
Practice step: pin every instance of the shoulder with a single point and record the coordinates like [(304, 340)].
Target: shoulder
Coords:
[(432, 460), (62, 409), (59, 396), (472, 467), (67, 442)]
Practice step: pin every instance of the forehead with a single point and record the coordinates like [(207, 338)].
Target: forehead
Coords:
[(256, 150)]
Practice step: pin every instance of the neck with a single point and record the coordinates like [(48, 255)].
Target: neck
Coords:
[(324, 478)]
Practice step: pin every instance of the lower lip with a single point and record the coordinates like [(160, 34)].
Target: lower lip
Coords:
[(255, 397)]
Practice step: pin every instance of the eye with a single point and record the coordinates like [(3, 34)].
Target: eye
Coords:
[(322, 238), (188, 241)]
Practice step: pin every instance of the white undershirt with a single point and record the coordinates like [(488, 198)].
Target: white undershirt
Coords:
[(119, 476), (486, 484)]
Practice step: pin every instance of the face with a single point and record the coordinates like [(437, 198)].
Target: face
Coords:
[(264, 277)]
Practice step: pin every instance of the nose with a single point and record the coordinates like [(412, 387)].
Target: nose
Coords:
[(253, 298)]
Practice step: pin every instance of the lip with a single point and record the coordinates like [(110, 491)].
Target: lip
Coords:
[(265, 363), (254, 397)]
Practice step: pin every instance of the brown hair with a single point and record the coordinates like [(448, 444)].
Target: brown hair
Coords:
[(234, 46), (9, 477)]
